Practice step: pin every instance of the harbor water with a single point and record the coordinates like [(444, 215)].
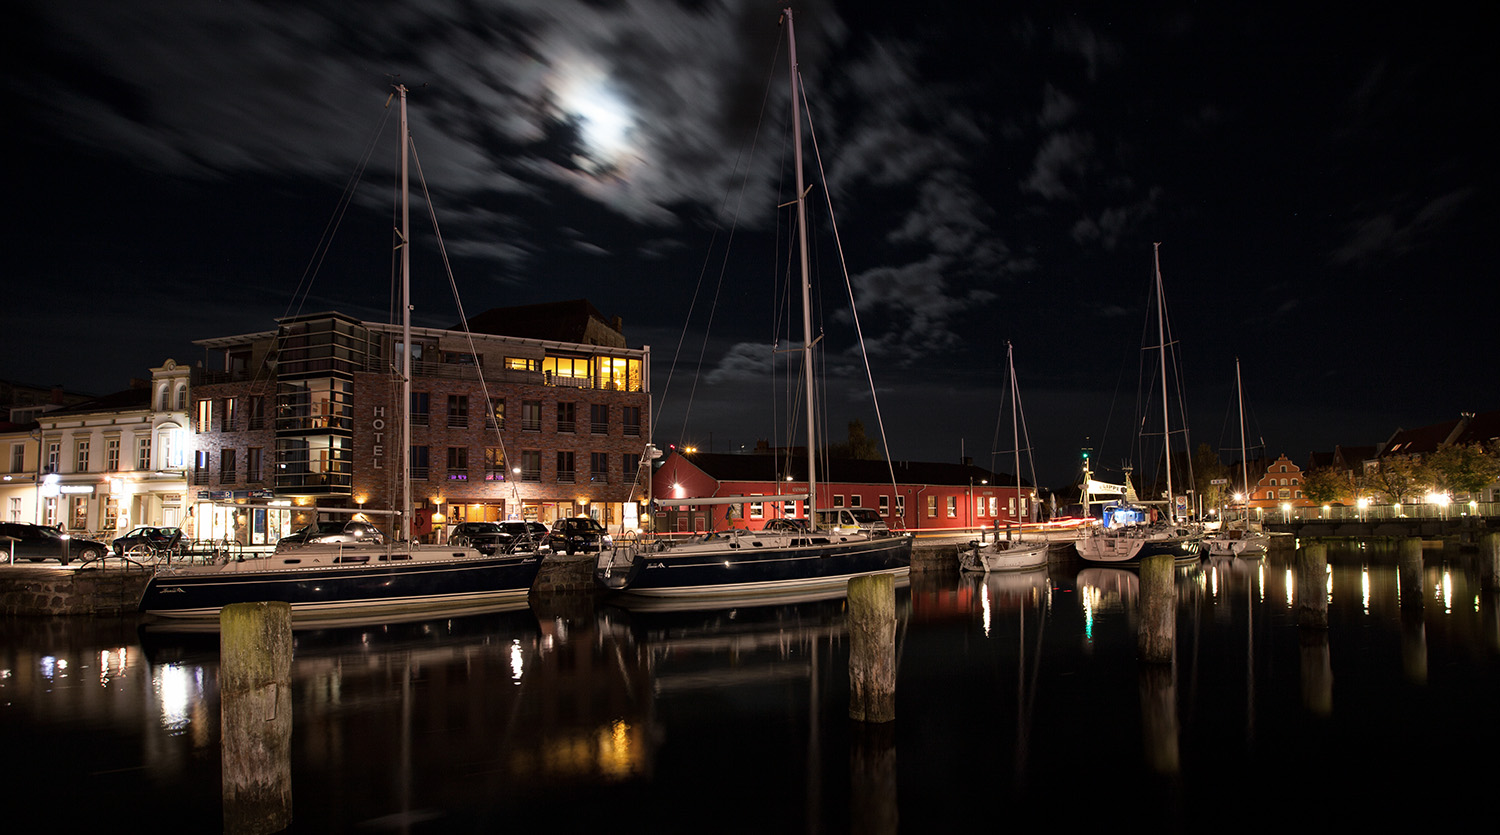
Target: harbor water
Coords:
[(1020, 700)]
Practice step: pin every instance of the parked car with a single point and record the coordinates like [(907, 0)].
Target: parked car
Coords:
[(156, 539), (577, 534), (319, 533), (496, 536), (853, 520), (37, 543)]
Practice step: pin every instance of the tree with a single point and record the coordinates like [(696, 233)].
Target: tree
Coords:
[(1327, 485), (1465, 468), (858, 446), (1207, 468), (1399, 477)]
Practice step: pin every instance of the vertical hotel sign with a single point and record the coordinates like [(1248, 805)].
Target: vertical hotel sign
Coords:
[(377, 426)]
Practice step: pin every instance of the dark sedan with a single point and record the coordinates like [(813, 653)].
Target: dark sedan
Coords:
[(577, 534), (319, 533), (498, 536), (150, 538), (37, 543)]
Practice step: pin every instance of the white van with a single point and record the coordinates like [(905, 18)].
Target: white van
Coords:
[(846, 520)]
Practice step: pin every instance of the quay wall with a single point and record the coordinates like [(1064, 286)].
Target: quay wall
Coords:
[(32, 592)]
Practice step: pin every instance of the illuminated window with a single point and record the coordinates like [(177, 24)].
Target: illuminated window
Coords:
[(494, 464), (523, 364), (952, 507), (757, 510), (205, 414), (81, 458), (838, 500), (932, 507), (458, 463)]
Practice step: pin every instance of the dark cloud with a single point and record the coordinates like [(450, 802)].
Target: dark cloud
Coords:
[(997, 173)]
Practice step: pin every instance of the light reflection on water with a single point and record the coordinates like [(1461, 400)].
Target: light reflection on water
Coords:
[(1018, 694)]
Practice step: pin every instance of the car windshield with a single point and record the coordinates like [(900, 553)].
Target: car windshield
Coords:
[(583, 526), (865, 515), (482, 527)]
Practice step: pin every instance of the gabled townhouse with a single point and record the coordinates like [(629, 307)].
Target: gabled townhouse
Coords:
[(104, 464), (1280, 485)]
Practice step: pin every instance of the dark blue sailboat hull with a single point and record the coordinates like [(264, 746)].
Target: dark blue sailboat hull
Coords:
[(331, 591), (750, 568)]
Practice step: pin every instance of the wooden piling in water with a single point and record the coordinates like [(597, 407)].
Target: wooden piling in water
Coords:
[(1409, 572), (255, 678), (1158, 631), (1312, 586), (872, 648), (1489, 561)]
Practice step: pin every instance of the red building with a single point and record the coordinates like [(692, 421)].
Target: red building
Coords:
[(908, 495), (1280, 484)]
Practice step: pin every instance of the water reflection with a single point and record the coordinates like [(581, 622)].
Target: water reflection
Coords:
[(1027, 686)]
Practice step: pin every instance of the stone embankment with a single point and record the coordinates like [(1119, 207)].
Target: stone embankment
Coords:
[(100, 592)]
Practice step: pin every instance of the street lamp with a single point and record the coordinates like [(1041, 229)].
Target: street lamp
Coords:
[(1286, 510), (1362, 503)]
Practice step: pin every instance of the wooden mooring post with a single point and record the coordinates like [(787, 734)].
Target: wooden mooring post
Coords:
[(1489, 561), (1158, 631), (872, 648), (255, 672), (1312, 586), (1409, 572)]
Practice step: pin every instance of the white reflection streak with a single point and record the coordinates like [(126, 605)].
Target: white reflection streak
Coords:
[(1090, 596), (1288, 585), (1445, 591), (1364, 588), (517, 662), (984, 610), (177, 689)]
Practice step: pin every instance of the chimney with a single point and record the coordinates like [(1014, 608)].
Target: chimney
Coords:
[(57, 396)]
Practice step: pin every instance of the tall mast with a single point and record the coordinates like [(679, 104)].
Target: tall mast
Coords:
[(1166, 419), (1015, 428), (807, 343), (405, 405), (1244, 455)]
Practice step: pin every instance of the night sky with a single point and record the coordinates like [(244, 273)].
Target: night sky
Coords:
[(1322, 185)]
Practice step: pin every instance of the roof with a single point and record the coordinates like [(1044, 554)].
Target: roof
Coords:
[(773, 468), (1481, 429), (129, 400), (571, 321), (1421, 441)]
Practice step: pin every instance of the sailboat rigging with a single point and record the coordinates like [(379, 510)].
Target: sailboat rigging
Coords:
[(788, 556), (1127, 535), (1007, 554), (1238, 538), (327, 582)]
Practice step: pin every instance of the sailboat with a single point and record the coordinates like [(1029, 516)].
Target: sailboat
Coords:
[(1237, 538), (1007, 554), (339, 582), (1127, 535), (808, 556)]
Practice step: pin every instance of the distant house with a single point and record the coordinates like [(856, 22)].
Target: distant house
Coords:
[(923, 496), (1280, 485)]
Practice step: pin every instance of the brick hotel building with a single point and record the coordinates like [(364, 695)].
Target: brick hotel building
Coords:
[(546, 414)]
